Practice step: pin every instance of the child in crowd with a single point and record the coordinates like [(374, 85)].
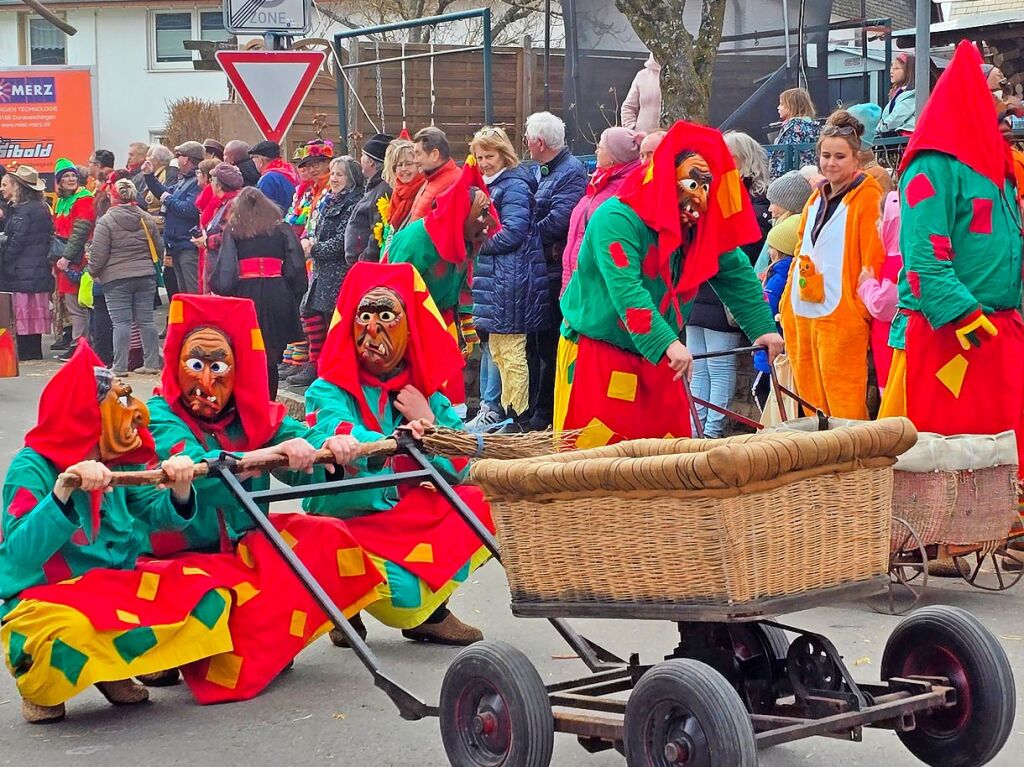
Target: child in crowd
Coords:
[(782, 244), (787, 196), (879, 294)]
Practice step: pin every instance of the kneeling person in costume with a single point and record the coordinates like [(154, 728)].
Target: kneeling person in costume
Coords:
[(214, 399), (677, 223), (385, 365), (76, 612)]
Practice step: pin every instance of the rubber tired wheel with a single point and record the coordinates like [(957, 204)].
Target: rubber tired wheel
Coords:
[(683, 712), (760, 652), (494, 709), (950, 642)]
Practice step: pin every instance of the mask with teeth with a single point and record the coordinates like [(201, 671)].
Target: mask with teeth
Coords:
[(206, 372), (121, 416), (693, 183), (381, 331)]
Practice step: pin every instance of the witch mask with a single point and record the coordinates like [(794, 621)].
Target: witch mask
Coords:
[(206, 372), (121, 416), (693, 181), (381, 332)]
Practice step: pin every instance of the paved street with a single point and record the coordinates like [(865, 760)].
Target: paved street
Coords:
[(326, 710)]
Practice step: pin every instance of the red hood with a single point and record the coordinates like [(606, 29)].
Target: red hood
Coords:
[(286, 169), (444, 223), (960, 120), (729, 223), (236, 318), (432, 357)]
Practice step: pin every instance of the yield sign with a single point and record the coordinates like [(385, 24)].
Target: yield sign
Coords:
[(272, 84)]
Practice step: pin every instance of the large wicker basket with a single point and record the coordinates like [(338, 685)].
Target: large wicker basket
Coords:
[(696, 522)]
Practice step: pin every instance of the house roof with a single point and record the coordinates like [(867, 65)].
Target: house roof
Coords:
[(900, 11), (952, 30)]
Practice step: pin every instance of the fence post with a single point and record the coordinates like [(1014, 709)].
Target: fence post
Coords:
[(354, 112), (529, 66)]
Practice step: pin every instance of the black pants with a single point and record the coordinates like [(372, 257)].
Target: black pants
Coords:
[(541, 355), (102, 329), (274, 355)]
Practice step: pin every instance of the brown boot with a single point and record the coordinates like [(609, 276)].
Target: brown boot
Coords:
[(123, 692), (338, 637), (450, 631), (167, 678), (35, 714)]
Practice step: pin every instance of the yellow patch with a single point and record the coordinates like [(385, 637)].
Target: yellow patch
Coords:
[(649, 175), (730, 196), (148, 585), (622, 386), (952, 374), (423, 552), (289, 539), (193, 571), (335, 319), (127, 617), (298, 627), (595, 434), (69, 581), (669, 436), (257, 340), (245, 555), (224, 670), (176, 313), (351, 562), (245, 591)]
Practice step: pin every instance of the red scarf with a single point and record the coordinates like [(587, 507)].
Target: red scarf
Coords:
[(729, 223), (402, 198), (431, 359), (604, 176), (960, 120), (446, 221), (250, 404), (286, 169)]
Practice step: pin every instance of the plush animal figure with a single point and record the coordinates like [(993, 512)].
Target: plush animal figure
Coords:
[(810, 281)]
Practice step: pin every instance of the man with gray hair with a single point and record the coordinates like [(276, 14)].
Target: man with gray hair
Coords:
[(562, 181)]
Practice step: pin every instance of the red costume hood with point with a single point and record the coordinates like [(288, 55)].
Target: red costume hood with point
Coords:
[(446, 220)]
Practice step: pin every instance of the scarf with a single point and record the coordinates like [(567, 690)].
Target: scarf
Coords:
[(402, 198)]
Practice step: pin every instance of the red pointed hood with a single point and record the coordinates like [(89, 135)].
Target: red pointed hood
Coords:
[(432, 356), (444, 223), (236, 318), (729, 223), (960, 120)]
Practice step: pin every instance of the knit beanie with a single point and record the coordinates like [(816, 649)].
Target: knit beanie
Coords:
[(376, 147), (784, 236), (622, 144), (869, 116), (790, 191), (228, 176), (65, 166)]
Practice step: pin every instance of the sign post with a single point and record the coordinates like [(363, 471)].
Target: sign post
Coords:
[(259, 17), (272, 84)]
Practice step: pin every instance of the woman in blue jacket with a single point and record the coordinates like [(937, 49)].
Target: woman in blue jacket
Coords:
[(510, 285)]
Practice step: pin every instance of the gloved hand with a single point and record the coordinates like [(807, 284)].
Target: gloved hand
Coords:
[(973, 329)]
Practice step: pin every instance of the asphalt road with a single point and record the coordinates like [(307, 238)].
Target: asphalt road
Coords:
[(327, 711)]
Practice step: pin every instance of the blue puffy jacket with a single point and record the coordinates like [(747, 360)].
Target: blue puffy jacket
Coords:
[(510, 281)]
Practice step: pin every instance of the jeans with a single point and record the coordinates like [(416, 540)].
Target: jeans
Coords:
[(131, 300), (714, 380), (79, 316), (186, 270), (490, 380)]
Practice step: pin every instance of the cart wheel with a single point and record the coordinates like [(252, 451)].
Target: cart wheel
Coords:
[(812, 668), (760, 653), (495, 710), (908, 572), (997, 571), (949, 642), (684, 712)]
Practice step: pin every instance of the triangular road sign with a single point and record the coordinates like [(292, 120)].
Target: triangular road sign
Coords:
[(272, 84)]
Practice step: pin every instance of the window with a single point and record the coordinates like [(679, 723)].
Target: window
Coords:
[(170, 29), (44, 43), (211, 27)]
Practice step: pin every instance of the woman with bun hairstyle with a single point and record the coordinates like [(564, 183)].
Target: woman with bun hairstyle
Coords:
[(826, 324)]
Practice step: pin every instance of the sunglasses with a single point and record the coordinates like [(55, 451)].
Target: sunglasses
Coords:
[(839, 130)]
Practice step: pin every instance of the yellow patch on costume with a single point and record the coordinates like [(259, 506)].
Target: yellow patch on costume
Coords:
[(257, 340), (952, 374), (224, 670), (423, 552), (194, 571), (622, 386), (351, 562), (289, 539), (148, 585), (298, 627), (244, 591), (730, 195), (595, 434), (245, 555), (176, 313), (127, 617)]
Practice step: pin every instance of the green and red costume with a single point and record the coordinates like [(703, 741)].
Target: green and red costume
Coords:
[(74, 217), (961, 241), (419, 543), (631, 294)]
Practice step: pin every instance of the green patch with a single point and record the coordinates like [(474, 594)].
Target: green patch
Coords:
[(570, 372), (462, 574), (67, 660), (404, 587), (131, 644), (209, 609), (20, 661)]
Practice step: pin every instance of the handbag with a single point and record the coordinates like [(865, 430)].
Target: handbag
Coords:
[(57, 246)]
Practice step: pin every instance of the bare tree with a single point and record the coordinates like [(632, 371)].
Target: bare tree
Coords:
[(687, 60)]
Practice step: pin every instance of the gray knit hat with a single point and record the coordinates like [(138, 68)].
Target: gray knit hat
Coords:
[(790, 191)]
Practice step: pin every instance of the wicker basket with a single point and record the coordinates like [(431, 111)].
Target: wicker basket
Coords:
[(733, 522)]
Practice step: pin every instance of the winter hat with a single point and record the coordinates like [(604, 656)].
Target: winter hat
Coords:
[(790, 191), (228, 176), (192, 150), (63, 166), (623, 144), (376, 147), (784, 236), (868, 115), (214, 147), (269, 149)]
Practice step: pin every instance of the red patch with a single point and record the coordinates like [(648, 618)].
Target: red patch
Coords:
[(638, 321), (459, 463), (919, 189), (914, 281), (942, 247), (153, 463), (344, 428), (56, 569), (178, 447), (981, 220), (311, 418), (167, 542), (440, 268), (650, 265), (22, 503), (619, 257), (78, 538)]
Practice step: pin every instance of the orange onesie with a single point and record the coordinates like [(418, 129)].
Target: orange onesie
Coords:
[(826, 325)]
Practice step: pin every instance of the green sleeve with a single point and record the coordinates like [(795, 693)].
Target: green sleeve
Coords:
[(157, 508), (620, 262), (335, 407), (943, 297), (34, 525), (740, 290)]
